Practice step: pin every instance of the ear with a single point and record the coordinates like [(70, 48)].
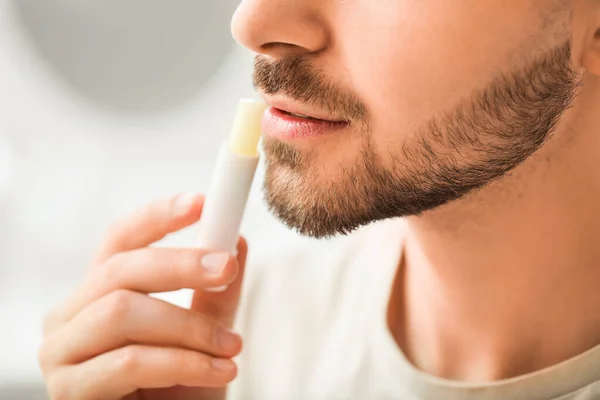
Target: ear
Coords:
[(589, 15), (591, 53)]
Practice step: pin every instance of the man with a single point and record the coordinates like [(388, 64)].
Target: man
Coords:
[(471, 128)]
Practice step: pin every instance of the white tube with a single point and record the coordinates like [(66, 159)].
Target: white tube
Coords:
[(225, 204)]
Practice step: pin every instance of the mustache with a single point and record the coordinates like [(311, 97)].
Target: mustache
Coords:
[(294, 77)]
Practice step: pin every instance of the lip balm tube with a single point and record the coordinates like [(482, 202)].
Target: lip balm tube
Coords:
[(232, 178)]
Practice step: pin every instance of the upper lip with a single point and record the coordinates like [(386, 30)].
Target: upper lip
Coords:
[(294, 107)]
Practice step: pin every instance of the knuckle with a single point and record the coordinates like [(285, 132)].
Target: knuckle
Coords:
[(128, 360), (201, 331), (109, 273), (173, 264), (184, 264), (189, 363), (116, 306), (193, 262)]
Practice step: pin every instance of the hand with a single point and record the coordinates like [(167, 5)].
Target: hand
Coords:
[(110, 340)]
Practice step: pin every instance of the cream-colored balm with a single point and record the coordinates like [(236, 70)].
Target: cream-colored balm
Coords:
[(246, 132)]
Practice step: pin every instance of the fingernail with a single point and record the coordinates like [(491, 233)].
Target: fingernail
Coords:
[(223, 365), (215, 263), (226, 340), (184, 203)]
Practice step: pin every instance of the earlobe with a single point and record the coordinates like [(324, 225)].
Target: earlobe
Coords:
[(591, 56)]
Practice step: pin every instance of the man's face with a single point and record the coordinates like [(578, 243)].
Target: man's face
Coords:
[(432, 99)]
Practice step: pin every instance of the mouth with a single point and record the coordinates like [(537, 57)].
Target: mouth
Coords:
[(300, 116), (286, 120)]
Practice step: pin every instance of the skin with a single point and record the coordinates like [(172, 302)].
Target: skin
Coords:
[(482, 269), (110, 340), (477, 122), (447, 122)]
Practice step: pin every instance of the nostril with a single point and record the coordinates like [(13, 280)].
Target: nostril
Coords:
[(274, 30), (279, 49)]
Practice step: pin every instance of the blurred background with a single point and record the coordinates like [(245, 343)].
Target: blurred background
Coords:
[(104, 106)]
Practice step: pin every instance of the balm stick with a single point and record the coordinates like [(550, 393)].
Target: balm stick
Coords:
[(225, 203), (232, 178)]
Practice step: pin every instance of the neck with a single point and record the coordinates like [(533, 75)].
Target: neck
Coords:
[(505, 282)]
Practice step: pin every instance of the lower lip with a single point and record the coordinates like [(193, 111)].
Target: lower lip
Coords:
[(278, 124)]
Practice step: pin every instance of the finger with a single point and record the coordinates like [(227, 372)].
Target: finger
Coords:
[(120, 372), (223, 305), (150, 224), (123, 318), (148, 270)]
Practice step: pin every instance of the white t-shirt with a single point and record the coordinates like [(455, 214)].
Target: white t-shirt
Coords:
[(314, 327)]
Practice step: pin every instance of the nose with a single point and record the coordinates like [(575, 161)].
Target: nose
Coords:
[(279, 27)]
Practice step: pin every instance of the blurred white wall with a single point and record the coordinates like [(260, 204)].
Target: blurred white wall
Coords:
[(69, 166)]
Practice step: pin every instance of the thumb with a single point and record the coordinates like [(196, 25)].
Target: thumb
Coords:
[(223, 305)]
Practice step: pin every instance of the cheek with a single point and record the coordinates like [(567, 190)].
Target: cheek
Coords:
[(412, 60)]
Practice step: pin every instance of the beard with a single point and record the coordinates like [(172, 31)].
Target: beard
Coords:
[(451, 155)]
